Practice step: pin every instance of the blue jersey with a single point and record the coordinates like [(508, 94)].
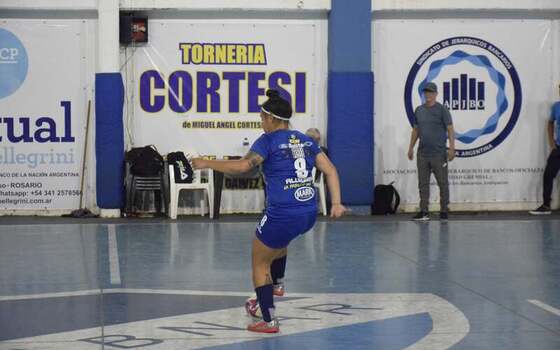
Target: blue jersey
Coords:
[(289, 158), (555, 117)]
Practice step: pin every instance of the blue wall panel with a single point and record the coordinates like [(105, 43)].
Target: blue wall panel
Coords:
[(109, 140), (350, 134), (350, 99)]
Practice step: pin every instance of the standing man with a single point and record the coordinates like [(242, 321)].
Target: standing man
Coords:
[(432, 125), (553, 162)]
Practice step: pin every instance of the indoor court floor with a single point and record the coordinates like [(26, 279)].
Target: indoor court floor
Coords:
[(490, 283)]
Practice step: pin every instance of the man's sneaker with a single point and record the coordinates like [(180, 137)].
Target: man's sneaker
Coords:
[(264, 327), (443, 216), (542, 210), (252, 307), (421, 216), (279, 290)]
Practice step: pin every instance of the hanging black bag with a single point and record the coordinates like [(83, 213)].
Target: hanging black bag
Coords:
[(145, 161)]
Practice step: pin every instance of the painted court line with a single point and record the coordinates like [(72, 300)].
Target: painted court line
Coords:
[(380, 297), (545, 307), (114, 267), (128, 290), (180, 292), (132, 290), (50, 295)]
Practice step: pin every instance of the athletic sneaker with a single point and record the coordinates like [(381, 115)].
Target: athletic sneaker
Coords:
[(279, 290), (252, 308), (421, 216), (443, 216), (542, 210), (264, 327)]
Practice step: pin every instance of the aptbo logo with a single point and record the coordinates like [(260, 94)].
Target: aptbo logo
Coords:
[(479, 85), (13, 63), (457, 96)]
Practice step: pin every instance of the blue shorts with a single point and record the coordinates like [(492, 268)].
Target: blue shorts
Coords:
[(277, 231)]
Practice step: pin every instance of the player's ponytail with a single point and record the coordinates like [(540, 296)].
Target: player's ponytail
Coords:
[(276, 106)]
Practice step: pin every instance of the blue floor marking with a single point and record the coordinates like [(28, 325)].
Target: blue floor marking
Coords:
[(391, 334)]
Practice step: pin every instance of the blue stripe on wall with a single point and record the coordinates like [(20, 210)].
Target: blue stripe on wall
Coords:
[(109, 140), (350, 134), (350, 36), (350, 99)]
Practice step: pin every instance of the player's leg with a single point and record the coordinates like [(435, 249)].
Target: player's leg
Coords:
[(278, 267), (272, 239), (262, 257), (277, 272)]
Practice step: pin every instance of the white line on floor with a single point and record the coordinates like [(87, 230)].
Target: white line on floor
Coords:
[(129, 290), (417, 296), (545, 307), (114, 267), (50, 295)]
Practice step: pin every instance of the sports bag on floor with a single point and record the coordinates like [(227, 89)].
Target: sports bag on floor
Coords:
[(386, 200)]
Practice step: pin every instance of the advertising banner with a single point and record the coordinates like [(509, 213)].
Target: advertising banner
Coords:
[(495, 77), (42, 114), (197, 87)]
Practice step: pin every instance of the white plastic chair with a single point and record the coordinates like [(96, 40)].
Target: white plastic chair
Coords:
[(320, 186), (176, 188)]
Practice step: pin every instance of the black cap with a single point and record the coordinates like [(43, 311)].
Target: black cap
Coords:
[(431, 87)]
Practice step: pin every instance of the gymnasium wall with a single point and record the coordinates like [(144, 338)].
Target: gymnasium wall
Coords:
[(61, 43), (213, 124)]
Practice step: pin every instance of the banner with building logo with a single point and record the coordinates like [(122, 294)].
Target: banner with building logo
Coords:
[(496, 78), (42, 114), (197, 86)]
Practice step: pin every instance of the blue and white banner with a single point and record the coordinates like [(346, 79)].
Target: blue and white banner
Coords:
[(197, 86), (496, 78), (201, 84), (42, 114)]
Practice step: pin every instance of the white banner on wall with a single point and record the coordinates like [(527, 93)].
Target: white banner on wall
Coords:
[(42, 114), (197, 86), (495, 76)]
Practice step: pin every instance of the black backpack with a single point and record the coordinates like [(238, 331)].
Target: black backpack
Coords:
[(145, 161), (386, 200), (181, 167)]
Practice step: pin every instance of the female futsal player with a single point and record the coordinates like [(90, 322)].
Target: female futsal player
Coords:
[(288, 158)]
